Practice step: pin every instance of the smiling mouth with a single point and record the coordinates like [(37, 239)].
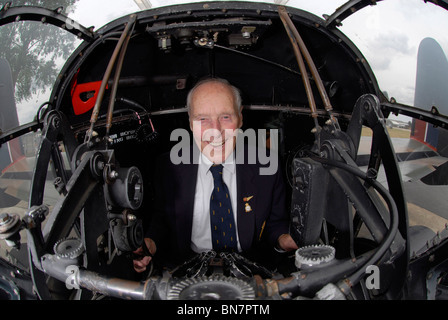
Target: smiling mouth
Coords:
[(217, 144), (216, 141)]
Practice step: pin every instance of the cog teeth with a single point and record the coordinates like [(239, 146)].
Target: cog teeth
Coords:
[(68, 248), (314, 255), (215, 287)]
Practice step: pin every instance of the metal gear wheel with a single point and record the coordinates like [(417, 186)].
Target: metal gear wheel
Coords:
[(70, 248), (314, 255), (215, 287)]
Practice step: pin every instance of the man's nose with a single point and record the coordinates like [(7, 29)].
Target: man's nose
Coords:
[(216, 125), (214, 131)]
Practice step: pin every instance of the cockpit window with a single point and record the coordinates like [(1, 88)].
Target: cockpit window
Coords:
[(405, 44), (32, 55), (390, 36), (35, 53)]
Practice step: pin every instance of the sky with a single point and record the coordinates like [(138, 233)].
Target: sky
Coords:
[(390, 48), (388, 34)]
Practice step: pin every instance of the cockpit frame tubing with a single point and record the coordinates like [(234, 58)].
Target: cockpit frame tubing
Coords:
[(110, 66)]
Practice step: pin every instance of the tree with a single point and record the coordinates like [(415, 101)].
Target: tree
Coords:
[(34, 48)]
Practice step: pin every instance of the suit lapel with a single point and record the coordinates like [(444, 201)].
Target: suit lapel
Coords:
[(186, 176)]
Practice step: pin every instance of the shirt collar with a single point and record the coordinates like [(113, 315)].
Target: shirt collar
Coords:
[(228, 165)]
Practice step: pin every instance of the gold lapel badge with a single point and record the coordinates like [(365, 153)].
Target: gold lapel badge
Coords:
[(247, 207)]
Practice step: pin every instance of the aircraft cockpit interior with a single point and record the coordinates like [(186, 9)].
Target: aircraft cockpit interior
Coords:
[(309, 97)]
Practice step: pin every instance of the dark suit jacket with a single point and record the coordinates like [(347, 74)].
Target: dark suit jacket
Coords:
[(172, 220)]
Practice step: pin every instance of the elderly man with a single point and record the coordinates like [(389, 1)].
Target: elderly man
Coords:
[(216, 203)]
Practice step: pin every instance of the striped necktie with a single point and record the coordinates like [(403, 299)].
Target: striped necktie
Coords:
[(221, 214)]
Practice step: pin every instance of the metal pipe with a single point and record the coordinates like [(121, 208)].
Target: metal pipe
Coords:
[(96, 108), (284, 15), (113, 93), (293, 109), (115, 287), (301, 63), (393, 229), (68, 271), (307, 282)]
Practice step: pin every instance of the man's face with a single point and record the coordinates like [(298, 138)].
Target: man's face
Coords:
[(214, 120)]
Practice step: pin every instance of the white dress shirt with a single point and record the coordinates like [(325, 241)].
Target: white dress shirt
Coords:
[(201, 238)]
